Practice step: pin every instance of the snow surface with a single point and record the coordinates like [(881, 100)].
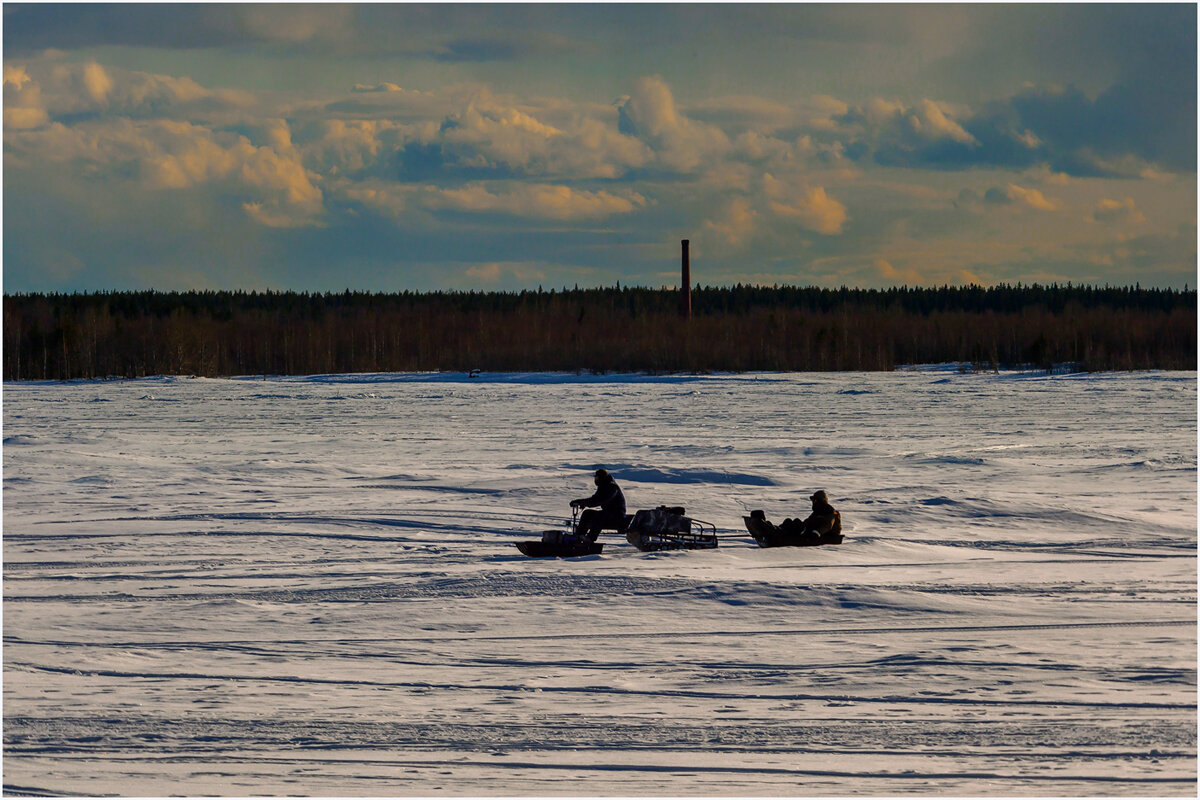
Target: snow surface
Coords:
[(309, 586)]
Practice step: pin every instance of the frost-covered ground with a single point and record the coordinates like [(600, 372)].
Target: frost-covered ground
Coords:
[(309, 586)]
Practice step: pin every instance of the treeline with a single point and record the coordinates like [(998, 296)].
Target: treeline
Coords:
[(739, 328)]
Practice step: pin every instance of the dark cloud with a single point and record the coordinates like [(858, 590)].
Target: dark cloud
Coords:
[(34, 27), (478, 50), (413, 31), (997, 197), (1103, 136), (1105, 86), (1155, 122), (506, 48)]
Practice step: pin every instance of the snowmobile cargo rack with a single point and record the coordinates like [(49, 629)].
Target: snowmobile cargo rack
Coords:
[(667, 528), (768, 534)]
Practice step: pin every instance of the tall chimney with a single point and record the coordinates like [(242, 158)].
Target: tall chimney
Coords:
[(685, 286)]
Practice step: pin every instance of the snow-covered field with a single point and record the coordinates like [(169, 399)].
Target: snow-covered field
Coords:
[(309, 586)]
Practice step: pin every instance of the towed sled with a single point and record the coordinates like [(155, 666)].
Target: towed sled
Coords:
[(768, 534), (666, 528)]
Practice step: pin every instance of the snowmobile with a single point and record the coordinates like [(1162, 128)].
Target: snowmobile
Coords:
[(561, 544), (666, 528), (768, 534)]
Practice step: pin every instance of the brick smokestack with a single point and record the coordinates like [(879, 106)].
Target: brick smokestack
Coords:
[(685, 286)]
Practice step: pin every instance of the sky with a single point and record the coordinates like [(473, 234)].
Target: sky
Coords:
[(393, 147)]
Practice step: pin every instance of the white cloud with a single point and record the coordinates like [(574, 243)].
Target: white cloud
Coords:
[(390, 200), (486, 136), (501, 136), (1117, 212), (96, 82), (169, 155), (1032, 198), (18, 118), (679, 143), (736, 222), (745, 112), (809, 205), (15, 76), (23, 102), (821, 111), (890, 274), (357, 145), (930, 121), (532, 200), (63, 88), (493, 273), (889, 122), (377, 87), (488, 273)]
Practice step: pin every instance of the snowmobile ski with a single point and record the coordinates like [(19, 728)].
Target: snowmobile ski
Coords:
[(768, 534)]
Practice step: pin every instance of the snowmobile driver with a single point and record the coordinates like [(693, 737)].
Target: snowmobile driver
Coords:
[(823, 519), (611, 514)]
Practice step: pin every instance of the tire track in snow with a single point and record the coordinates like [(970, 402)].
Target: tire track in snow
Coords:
[(12, 639), (1092, 740), (1023, 776), (593, 690)]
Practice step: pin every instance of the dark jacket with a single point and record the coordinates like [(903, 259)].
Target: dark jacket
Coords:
[(608, 496), (823, 520)]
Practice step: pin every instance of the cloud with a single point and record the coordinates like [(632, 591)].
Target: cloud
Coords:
[(908, 277), (1032, 198), (97, 82), (679, 143), (736, 222), (478, 50), (273, 217), (67, 91), (531, 200), (37, 27), (17, 118), (1117, 212), (891, 124), (463, 173), (508, 198), (15, 76), (1123, 131), (488, 273), (494, 273), (377, 87), (930, 121), (356, 147), (810, 206), (291, 23), (1010, 195), (733, 113), (494, 138), (1154, 122), (24, 106), (168, 155)]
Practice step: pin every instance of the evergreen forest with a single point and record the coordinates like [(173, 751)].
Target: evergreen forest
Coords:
[(618, 329)]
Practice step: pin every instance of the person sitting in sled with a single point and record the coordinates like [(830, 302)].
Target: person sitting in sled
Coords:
[(823, 519), (610, 515)]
